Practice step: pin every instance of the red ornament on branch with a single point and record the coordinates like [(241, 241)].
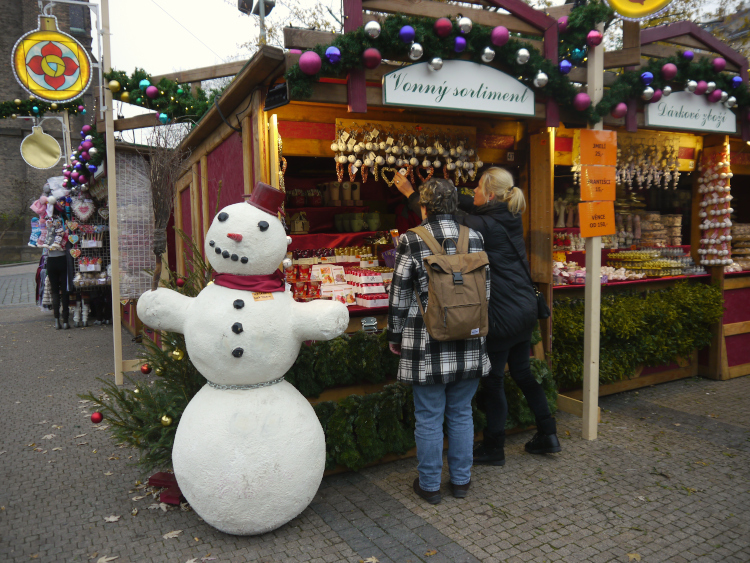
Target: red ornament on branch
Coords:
[(145, 369), (96, 417), (180, 282)]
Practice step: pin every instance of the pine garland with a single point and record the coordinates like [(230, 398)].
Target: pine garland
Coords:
[(26, 107)]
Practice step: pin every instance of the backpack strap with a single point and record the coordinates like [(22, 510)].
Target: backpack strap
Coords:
[(428, 239), (463, 240)]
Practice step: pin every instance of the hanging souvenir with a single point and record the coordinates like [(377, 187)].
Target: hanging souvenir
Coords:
[(39, 149)]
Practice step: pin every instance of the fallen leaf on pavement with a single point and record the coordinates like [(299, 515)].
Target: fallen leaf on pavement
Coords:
[(193, 560), (154, 506), (57, 449), (634, 557), (82, 444), (42, 422), (430, 553), (85, 401), (106, 559), (3, 452), (108, 473), (57, 426), (80, 436), (372, 560), (172, 534), (35, 556), (163, 506), (48, 436), (111, 518), (134, 512), (102, 427), (138, 498)]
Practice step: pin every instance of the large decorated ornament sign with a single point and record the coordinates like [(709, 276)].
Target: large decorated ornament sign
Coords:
[(636, 10), (39, 149), (50, 64)]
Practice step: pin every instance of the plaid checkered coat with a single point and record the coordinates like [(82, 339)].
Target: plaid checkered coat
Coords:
[(425, 361)]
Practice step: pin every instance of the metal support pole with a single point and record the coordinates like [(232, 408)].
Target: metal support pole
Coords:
[(262, 10)]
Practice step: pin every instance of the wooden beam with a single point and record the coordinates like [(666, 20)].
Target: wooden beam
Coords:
[(203, 73), (259, 138), (306, 38), (638, 382), (737, 328), (559, 11), (574, 407), (541, 195), (623, 57), (356, 87), (526, 13), (578, 74), (739, 370), (137, 122), (247, 154), (195, 209), (205, 213), (178, 226), (664, 51), (736, 283)]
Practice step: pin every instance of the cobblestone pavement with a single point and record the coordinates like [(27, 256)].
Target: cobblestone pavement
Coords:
[(17, 285), (667, 481)]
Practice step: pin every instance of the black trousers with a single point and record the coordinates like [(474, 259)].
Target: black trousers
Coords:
[(57, 272), (517, 357)]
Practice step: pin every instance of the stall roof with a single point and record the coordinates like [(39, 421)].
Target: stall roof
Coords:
[(264, 67)]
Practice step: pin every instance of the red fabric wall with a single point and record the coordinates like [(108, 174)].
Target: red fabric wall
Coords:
[(187, 226), (225, 165)]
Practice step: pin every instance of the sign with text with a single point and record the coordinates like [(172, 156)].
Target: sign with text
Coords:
[(683, 110), (598, 183), (597, 218), (458, 85), (598, 147)]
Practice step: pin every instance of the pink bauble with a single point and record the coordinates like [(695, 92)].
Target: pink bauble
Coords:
[(66, 173), (152, 92), (86, 145), (714, 96), (594, 38), (443, 27), (499, 36), (620, 110), (86, 128), (310, 63), (371, 58), (669, 71), (719, 64), (701, 88), (85, 156), (582, 101), (295, 51), (75, 175), (656, 97), (562, 24)]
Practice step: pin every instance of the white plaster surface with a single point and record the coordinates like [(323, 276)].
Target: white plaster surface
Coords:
[(249, 461)]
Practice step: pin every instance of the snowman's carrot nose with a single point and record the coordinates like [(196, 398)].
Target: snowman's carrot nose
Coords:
[(235, 237)]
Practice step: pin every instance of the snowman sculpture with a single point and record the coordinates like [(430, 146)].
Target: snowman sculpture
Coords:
[(249, 452)]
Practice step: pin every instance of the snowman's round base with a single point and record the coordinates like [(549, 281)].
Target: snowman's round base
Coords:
[(248, 461)]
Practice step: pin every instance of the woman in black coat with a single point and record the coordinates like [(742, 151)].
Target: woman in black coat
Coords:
[(495, 212)]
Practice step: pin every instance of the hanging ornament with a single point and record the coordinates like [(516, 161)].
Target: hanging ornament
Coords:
[(464, 25), (657, 96), (719, 64), (35, 109), (166, 420), (415, 52), (565, 66), (114, 86), (499, 36), (143, 84), (96, 417), (17, 102), (701, 88), (522, 56), (714, 96), (407, 34), (443, 27), (125, 97), (666, 91), (691, 85), (731, 102), (93, 151), (577, 55), (371, 58), (80, 108), (562, 24), (724, 97), (145, 369), (487, 55), (53, 107), (582, 101), (92, 168), (647, 78), (180, 91), (310, 63), (163, 118), (620, 110), (372, 29), (178, 354), (83, 111), (436, 63), (688, 55), (540, 80), (333, 55), (459, 45), (647, 93), (736, 82), (669, 71), (594, 38), (152, 92)]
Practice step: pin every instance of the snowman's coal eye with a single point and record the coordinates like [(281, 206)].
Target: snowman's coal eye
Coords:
[(223, 216), (263, 226)]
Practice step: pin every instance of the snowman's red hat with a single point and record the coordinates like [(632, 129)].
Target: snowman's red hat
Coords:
[(266, 198)]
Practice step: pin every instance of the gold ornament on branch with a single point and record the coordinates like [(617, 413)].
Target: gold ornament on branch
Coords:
[(166, 420), (178, 354)]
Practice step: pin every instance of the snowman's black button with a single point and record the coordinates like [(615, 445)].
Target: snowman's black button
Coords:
[(263, 226), (243, 259), (237, 352), (225, 254), (223, 216), (235, 257), (211, 243), (217, 250), (237, 328), (238, 303)]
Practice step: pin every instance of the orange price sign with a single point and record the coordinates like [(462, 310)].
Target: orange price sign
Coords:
[(597, 218), (598, 147), (598, 183)]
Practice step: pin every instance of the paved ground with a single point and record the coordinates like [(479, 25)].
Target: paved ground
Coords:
[(667, 481), (17, 284)]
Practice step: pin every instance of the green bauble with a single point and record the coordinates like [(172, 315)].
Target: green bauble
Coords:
[(180, 91)]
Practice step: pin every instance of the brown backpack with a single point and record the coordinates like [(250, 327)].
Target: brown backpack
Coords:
[(457, 289)]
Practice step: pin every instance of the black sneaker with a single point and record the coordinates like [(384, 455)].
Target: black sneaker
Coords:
[(543, 444), (433, 497), (485, 454), (459, 491)]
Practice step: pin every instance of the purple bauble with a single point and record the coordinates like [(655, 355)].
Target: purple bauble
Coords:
[(582, 101), (66, 173), (460, 45), (689, 55), (407, 34), (79, 167), (594, 38), (565, 66), (620, 110), (657, 96), (152, 92), (714, 96), (92, 167), (86, 128), (310, 63), (85, 156), (499, 36), (443, 27), (669, 71), (701, 88), (647, 78), (719, 64), (86, 145), (74, 176), (80, 108), (736, 82), (333, 55), (562, 24), (371, 58)]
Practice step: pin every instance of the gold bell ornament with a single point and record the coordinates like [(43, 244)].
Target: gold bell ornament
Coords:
[(166, 420), (178, 354)]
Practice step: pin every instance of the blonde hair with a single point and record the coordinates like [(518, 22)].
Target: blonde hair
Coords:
[(499, 181)]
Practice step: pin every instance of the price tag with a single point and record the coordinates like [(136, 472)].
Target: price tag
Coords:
[(598, 147), (258, 296), (597, 218), (598, 183)]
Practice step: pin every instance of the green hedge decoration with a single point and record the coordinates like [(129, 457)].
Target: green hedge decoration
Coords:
[(637, 329)]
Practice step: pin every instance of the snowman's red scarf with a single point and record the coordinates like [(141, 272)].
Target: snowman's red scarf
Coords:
[(271, 283)]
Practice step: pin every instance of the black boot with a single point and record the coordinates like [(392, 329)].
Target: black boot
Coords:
[(491, 451), (57, 324), (545, 440)]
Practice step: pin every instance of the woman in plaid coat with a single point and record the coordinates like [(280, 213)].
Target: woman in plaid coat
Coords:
[(445, 375)]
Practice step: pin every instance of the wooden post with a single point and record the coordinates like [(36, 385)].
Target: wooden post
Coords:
[(205, 211), (356, 85), (114, 232), (593, 294)]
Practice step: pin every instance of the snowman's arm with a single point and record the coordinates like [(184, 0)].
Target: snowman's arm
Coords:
[(319, 320), (164, 309)]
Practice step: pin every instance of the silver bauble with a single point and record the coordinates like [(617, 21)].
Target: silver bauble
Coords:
[(372, 29), (710, 87), (464, 25), (666, 91), (351, 158), (379, 160), (368, 163), (88, 138), (436, 63), (487, 55), (648, 93), (335, 147), (724, 97), (426, 163), (358, 163), (691, 85), (287, 263), (436, 163), (414, 161), (541, 79), (93, 151), (731, 102), (522, 56), (416, 51)]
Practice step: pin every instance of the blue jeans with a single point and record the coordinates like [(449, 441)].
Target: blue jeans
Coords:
[(431, 402)]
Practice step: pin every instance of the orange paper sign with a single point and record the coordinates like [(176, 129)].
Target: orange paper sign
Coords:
[(598, 147), (598, 183), (597, 218)]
